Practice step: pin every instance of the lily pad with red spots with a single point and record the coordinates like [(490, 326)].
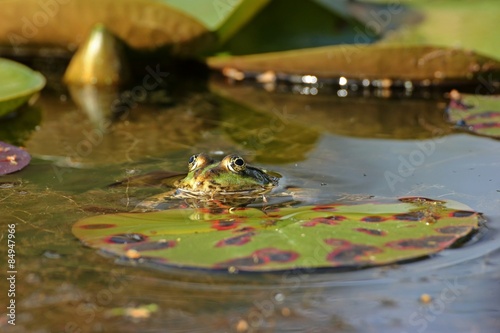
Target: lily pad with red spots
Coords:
[(475, 113), (12, 158), (339, 235)]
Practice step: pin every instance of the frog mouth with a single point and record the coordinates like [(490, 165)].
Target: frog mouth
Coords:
[(243, 194)]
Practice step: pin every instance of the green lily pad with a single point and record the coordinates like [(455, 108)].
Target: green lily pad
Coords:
[(475, 113), (19, 83), (224, 17), (336, 235)]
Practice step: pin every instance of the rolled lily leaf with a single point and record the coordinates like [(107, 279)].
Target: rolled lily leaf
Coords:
[(19, 83), (337, 235), (100, 60), (475, 113), (12, 158), (432, 65)]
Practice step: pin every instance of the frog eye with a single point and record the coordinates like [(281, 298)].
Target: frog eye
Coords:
[(237, 164), (192, 162)]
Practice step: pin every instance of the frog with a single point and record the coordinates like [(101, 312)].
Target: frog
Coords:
[(232, 176), (228, 182)]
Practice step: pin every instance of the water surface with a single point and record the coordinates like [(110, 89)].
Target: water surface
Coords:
[(333, 146)]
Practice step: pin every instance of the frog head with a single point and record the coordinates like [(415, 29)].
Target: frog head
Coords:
[(231, 176)]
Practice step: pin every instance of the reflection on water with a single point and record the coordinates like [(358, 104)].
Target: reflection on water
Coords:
[(333, 146)]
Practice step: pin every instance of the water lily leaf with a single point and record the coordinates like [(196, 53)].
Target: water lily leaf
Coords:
[(224, 17), (12, 158), (415, 63), (295, 24), (143, 24), (19, 83), (337, 235), (475, 113)]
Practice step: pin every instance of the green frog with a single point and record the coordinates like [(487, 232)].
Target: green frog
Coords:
[(230, 182), (229, 177)]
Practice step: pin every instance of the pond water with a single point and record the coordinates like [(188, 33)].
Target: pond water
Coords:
[(362, 144)]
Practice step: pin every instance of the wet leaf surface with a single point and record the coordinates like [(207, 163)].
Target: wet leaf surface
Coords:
[(333, 235), (475, 113), (12, 158), (19, 83)]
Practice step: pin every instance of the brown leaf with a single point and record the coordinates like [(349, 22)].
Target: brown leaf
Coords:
[(142, 24), (414, 63)]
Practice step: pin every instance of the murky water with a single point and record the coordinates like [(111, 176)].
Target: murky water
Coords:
[(333, 146)]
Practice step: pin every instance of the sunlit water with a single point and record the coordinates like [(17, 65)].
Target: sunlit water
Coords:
[(66, 287)]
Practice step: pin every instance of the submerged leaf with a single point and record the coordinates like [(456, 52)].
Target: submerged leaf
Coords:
[(475, 113), (12, 158), (19, 83), (336, 235)]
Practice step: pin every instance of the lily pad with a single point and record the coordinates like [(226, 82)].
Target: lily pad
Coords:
[(19, 83), (142, 24), (475, 113), (337, 235), (224, 17), (296, 24), (414, 63), (12, 158)]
